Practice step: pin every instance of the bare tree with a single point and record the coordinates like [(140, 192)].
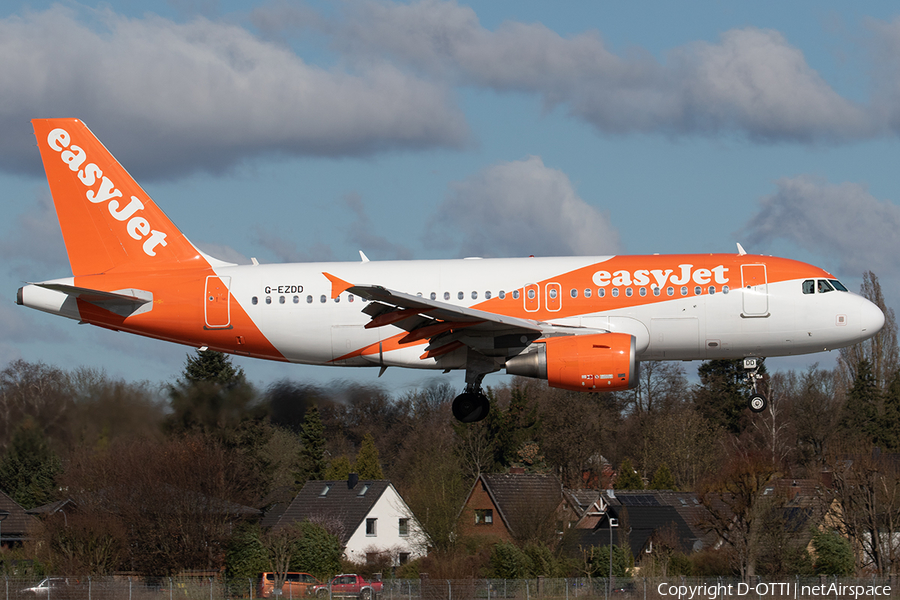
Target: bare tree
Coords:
[(880, 350), (867, 490), (736, 501)]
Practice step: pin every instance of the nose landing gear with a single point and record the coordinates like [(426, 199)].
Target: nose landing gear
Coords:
[(758, 401)]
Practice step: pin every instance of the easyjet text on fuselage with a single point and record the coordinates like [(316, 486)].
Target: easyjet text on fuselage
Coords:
[(660, 277)]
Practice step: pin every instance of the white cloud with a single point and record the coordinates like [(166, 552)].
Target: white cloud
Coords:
[(751, 81), (520, 208), (843, 221), (169, 98)]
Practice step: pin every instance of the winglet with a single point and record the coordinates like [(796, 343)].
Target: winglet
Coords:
[(338, 285)]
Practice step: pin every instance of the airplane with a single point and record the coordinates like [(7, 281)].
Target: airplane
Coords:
[(581, 323)]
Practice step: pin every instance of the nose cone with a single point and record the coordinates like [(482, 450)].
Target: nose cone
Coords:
[(871, 319)]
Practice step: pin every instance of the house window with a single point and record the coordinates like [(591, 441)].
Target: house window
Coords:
[(404, 558), (484, 516), (371, 526), (404, 527), (325, 490)]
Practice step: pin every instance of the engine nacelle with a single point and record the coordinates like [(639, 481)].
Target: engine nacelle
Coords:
[(582, 363)]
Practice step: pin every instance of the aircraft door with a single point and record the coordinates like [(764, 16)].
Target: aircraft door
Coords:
[(532, 297), (755, 291), (217, 303)]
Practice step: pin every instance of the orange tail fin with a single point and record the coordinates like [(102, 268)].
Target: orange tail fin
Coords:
[(108, 222)]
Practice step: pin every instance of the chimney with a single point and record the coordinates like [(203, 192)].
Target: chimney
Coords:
[(352, 480)]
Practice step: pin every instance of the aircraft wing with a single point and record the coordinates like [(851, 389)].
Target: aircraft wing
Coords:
[(446, 326)]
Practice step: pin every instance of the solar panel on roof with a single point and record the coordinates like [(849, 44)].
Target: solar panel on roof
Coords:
[(638, 500)]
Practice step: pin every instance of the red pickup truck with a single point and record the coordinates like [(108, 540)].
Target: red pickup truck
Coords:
[(349, 586)]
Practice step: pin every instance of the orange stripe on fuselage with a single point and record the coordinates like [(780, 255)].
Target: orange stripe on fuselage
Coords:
[(177, 314), (624, 272)]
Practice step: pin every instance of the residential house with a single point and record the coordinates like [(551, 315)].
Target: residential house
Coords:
[(368, 516), (14, 522), (518, 506), (642, 520)]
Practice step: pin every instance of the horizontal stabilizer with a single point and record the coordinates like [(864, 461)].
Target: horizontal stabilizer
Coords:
[(121, 302)]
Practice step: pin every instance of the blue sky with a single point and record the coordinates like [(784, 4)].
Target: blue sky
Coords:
[(291, 131)]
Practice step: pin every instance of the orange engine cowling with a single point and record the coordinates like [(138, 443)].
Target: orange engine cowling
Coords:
[(583, 363)]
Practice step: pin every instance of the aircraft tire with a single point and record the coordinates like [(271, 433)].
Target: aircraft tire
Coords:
[(470, 407), (758, 403)]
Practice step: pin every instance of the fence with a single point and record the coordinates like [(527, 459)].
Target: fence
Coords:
[(672, 588)]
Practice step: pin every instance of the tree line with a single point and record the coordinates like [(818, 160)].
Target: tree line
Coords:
[(136, 458)]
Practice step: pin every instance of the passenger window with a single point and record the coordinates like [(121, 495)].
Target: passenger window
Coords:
[(502, 294), (629, 292), (268, 299), (309, 299), (601, 292), (296, 299), (587, 292), (531, 294), (433, 296), (281, 300), (670, 291), (698, 290), (656, 291), (643, 291), (712, 289), (684, 290), (350, 298), (725, 289), (615, 292), (446, 295), (574, 293), (337, 298), (515, 294), (323, 298), (460, 295), (487, 295), (474, 295), (254, 300)]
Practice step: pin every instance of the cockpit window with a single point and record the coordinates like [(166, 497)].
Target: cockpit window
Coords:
[(809, 286), (838, 285), (823, 286)]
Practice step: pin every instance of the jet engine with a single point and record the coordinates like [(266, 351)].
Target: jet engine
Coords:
[(582, 363)]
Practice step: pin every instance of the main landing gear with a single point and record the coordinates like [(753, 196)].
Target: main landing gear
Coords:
[(471, 406), (758, 401)]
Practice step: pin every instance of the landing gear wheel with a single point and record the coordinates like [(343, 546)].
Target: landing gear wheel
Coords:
[(471, 407), (758, 403)]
